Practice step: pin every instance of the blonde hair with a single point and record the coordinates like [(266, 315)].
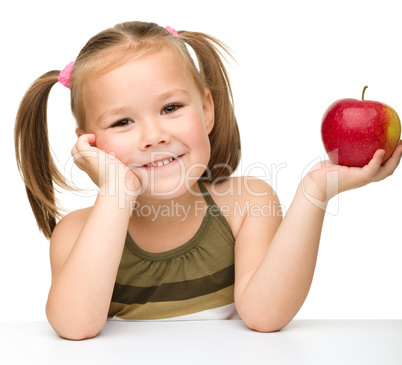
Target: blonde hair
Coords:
[(106, 51)]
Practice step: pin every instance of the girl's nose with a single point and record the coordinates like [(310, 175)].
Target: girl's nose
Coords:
[(154, 135)]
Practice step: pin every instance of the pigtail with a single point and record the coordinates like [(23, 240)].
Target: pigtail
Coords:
[(33, 155), (225, 136)]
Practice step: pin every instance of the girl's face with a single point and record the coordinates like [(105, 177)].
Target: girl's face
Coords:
[(151, 115)]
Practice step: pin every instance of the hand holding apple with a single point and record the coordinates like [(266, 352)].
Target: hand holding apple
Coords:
[(326, 179), (353, 130)]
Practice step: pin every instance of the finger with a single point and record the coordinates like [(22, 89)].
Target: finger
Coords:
[(372, 168), (396, 157), (85, 143), (394, 160), (398, 149), (86, 139), (377, 160), (390, 165), (84, 147)]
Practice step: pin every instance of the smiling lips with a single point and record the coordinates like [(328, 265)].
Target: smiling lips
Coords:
[(162, 162)]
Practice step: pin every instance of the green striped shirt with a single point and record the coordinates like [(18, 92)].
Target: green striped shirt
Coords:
[(196, 277)]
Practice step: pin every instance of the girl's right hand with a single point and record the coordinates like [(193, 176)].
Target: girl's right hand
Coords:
[(104, 168)]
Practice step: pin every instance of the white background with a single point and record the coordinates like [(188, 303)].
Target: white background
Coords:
[(294, 58)]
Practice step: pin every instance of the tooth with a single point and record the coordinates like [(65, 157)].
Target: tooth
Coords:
[(162, 162)]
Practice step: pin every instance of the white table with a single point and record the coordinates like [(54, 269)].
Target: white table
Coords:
[(207, 342)]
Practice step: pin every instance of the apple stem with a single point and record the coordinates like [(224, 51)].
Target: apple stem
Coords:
[(364, 89)]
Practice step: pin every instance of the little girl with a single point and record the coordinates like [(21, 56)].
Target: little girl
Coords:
[(171, 234)]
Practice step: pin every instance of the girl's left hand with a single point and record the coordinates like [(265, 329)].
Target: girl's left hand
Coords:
[(326, 179)]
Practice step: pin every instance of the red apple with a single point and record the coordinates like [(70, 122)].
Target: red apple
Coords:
[(352, 130)]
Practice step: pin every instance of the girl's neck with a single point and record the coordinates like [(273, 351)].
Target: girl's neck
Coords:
[(150, 210), (158, 225)]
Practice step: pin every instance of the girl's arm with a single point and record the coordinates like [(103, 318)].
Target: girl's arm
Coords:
[(85, 252), (275, 266)]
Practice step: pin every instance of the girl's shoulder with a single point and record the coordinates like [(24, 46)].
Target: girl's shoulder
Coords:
[(239, 187), (242, 196), (69, 227), (74, 220), (64, 237)]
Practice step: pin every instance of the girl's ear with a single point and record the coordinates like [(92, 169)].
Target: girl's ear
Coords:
[(209, 111)]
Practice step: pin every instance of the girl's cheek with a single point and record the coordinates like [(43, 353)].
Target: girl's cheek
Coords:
[(106, 143), (119, 149)]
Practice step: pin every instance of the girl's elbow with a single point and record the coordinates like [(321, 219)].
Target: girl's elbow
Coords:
[(75, 332), (74, 329), (264, 326), (264, 323)]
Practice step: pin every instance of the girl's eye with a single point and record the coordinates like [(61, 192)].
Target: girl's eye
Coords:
[(122, 123), (170, 108)]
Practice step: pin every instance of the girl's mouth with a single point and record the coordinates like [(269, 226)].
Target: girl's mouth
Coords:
[(163, 162)]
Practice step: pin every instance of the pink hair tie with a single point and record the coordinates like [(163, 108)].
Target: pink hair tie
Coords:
[(172, 31), (65, 74)]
